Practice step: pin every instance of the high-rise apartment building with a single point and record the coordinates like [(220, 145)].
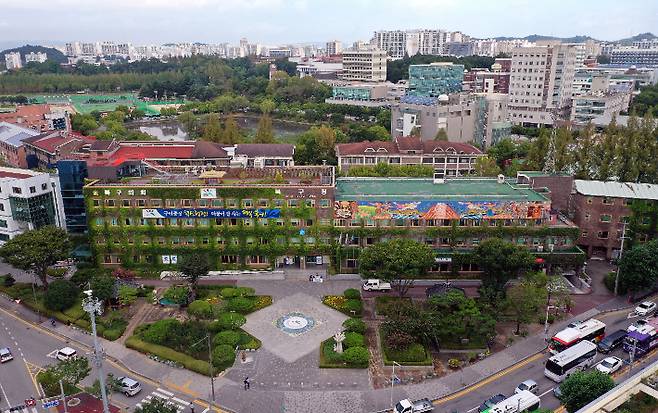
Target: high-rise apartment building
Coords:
[(334, 47), (435, 79), (367, 65), (39, 57), (13, 61), (541, 82)]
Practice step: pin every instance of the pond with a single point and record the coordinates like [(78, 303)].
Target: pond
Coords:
[(170, 130)]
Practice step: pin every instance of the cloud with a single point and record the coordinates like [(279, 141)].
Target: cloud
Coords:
[(219, 5)]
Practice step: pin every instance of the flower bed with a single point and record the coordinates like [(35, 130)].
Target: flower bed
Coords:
[(352, 307), (352, 357), (415, 355)]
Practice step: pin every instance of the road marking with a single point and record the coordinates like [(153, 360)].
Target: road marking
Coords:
[(33, 375), (472, 410), (5, 395), (181, 389), (168, 393), (179, 401), (488, 379), (546, 392), (207, 407)]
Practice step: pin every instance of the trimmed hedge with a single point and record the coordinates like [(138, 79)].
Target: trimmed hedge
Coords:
[(329, 359), (189, 362), (354, 325), (354, 340), (352, 293)]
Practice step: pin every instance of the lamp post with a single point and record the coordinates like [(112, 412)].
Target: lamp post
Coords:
[(548, 307), (93, 307), (34, 293), (393, 381), (621, 251), (208, 339)]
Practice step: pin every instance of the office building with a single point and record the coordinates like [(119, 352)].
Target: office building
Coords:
[(483, 80), (435, 79), (72, 177), (40, 117), (13, 61), (541, 83), (634, 56), (28, 200), (608, 104), (38, 57), (449, 159), (12, 150), (366, 65), (334, 47)]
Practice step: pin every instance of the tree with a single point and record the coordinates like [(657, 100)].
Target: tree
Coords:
[(102, 286), (189, 122), (36, 250), (265, 131), (212, 131), (195, 266), (486, 166), (267, 106), (582, 387), (457, 317), (61, 294), (318, 145), (231, 134), (523, 299), (73, 370), (127, 294), (582, 156), (639, 267), (538, 149), (200, 309), (501, 260), (441, 135), (156, 405), (605, 153), (415, 131), (399, 261)]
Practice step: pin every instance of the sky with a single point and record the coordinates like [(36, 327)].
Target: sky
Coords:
[(273, 22)]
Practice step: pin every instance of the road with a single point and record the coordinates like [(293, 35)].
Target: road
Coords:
[(33, 349)]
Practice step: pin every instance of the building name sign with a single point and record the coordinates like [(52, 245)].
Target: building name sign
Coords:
[(210, 213)]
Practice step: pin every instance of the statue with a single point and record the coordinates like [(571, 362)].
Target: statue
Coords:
[(339, 338)]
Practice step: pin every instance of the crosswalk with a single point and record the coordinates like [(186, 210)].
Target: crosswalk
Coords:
[(167, 396)]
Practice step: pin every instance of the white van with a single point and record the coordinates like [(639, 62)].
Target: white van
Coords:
[(66, 353)]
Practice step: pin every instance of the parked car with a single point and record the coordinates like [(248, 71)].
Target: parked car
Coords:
[(611, 341), (376, 285), (636, 325), (557, 392), (66, 353), (645, 308), (529, 385), (490, 402), (418, 406), (609, 365), (5, 355), (128, 386)]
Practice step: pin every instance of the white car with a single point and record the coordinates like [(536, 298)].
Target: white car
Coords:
[(66, 353), (637, 325), (645, 308), (128, 386), (5, 355), (609, 365), (528, 385)]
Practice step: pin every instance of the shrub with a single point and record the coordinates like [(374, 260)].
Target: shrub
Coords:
[(398, 340), (329, 354), (123, 273), (223, 356), (356, 356), (112, 334), (245, 291), (229, 292), (609, 281), (127, 294), (454, 363), (335, 301), (9, 280), (56, 272), (190, 363), (200, 309), (240, 304), (228, 321), (354, 305), (414, 353), (177, 295), (83, 275), (103, 286), (354, 340), (61, 294), (352, 293), (160, 331), (354, 325), (228, 337), (262, 301), (248, 342)]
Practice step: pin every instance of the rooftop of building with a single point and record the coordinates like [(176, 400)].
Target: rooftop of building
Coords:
[(14, 134), (16, 173), (251, 150), (615, 189), (416, 189), (403, 144), (51, 141)]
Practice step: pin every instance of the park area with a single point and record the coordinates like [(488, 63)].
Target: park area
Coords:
[(86, 103)]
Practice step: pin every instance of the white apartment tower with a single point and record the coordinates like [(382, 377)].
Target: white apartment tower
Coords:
[(13, 61), (334, 47), (541, 83), (365, 65), (36, 57)]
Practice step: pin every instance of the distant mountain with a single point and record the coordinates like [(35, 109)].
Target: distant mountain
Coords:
[(641, 36), (582, 38), (53, 54)]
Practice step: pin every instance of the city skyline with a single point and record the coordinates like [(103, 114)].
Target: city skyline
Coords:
[(302, 21)]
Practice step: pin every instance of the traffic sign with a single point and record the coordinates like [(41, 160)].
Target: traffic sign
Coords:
[(52, 403), (30, 402)]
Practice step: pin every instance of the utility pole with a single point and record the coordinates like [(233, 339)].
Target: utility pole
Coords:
[(93, 306), (621, 251), (61, 387), (212, 369)]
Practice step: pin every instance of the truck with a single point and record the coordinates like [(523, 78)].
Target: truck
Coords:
[(376, 285), (419, 406)]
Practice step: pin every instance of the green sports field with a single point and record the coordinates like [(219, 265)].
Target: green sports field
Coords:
[(86, 103)]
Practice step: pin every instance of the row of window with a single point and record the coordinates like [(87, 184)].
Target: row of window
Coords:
[(468, 242), (220, 241), (215, 203), (32, 189), (189, 222), (149, 259), (609, 218), (606, 200)]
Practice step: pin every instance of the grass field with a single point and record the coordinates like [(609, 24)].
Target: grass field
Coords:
[(84, 103)]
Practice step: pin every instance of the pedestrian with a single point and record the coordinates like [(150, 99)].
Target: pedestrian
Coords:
[(192, 407), (246, 383), (310, 277)]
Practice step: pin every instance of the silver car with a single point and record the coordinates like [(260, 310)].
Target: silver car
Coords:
[(128, 386)]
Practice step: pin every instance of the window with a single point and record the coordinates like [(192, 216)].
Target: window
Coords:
[(263, 203), (607, 201), (278, 203), (44, 187), (587, 217), (171, 203), (231, 203), (602, 235), (606, 217), (293, 203), (310, 203), (125, 202), (156, 203), (3, 223), (202, 203), (141, 202), (33, 190), (187, 202), (589, 200), (97, 202), (325, 203), (584, 234), (217, 203), (16, 190), (247, 203), (110, 202)]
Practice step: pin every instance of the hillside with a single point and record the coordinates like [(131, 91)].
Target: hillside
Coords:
[(641, 36), (53, 54)]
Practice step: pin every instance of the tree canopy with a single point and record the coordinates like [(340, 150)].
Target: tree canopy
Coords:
[(639, 267), (501, 260), (195, 266), (582, 387)]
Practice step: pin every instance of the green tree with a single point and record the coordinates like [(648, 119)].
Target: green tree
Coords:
[(265, 131), (36, 250), (582, 153), (212, 131), (61, 294), (200, 309), (457, 317), (501, 260), (441, 135), (318, 145), (523, 300), (639, 267), (399, 261), (267, 106), (156, 405), (582, 387), (627, 153), (102, 286), (74, 370), (231, 134), (189, 122), (84, 124), (605, 153), (486, 166), (195, 266), (538, 149), (127, 294)]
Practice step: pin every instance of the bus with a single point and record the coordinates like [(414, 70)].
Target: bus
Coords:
[(521, 402), (641, 341), (590, 330), (575, 358)]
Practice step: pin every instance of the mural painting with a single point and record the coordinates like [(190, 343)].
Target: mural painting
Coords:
[(440, 210)]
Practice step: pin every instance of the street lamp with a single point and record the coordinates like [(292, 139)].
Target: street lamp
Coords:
[(393, 380), (208, 339), (621, 251), (93, 307), (548, 307)]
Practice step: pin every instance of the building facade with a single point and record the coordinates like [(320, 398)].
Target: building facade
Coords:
[(334, 47), (541, 82), (435, 79), (38, 57), (12, 150), (28, 200), (635, 56), (365, 65), (72, 177), (13, 61), (448, 159)]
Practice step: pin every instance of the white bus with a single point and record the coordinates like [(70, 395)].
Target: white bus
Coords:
[(575, 358), (591, 330), (523, 401)]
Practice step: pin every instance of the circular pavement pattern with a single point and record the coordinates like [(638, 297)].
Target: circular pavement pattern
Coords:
[(295, 324)]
